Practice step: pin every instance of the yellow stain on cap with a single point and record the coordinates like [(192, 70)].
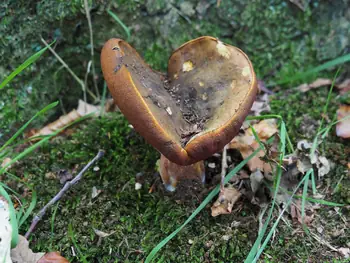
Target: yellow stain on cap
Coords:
[(223, 50), (246, 72), (187, 66)]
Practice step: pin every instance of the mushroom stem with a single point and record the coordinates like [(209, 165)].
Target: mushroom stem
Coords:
[(171, 173)]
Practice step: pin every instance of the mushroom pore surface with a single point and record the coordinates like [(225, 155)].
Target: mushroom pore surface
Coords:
[(202, 100)]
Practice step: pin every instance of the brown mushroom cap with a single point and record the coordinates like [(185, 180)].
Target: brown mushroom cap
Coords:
[(194, 110)]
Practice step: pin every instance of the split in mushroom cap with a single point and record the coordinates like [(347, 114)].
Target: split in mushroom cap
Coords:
[(196, 108)]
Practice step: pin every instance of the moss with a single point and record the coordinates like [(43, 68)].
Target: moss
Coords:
[(139, 220)]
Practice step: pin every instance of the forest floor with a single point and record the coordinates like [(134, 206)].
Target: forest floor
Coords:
[(291, 40)]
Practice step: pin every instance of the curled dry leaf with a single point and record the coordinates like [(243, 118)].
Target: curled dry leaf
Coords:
[(5, 231), (256, 179), (103, 234), (295, 211), (343, 127), (261, 104), (5, 162), (224, 206), (22, 253), (246, 144), (345, 252), (316, 84), (53, 257), (82, 110), (344, 86), (301, 4)]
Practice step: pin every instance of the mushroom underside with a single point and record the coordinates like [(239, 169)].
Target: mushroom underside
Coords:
[(207, 82)]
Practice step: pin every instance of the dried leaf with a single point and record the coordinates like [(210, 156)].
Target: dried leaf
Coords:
[(302, 4), (82, 110), (255, 180), (323, 166), (316, 84), (53, 257), (22, 253), (295, 211), (95, 192), (345, 252), (221, 207), (102, 234), (5, 231), (64, 176), (260, 104), (343, 127), (344, 87), (246, 144), (6, 161)]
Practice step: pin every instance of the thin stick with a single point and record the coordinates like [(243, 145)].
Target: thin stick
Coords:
[(81, 83), (223, 171), (61, 193), (88, 17)]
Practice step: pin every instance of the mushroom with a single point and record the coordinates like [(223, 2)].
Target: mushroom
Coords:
[(191, 112)]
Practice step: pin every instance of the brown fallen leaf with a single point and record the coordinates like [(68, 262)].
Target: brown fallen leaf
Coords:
[(22, 253), (344, 251), (53, 257), (295, 211), (316, 84), (82, 110), (261, 104), (247, 144), (344, 86), (343, 127), (301, 4), (222, 207), (5, 162)]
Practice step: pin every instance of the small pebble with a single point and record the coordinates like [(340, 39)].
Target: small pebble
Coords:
[(138, 186), (211, 165)]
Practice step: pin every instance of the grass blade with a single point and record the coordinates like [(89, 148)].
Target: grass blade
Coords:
[(269, 235), (211, 195), (327, 65), (116, 18), (36, 145), (315, 142), (29, 210), (13, 221), (24, 65), (71, 235), (274, 116), (282, 147), (303, 199), (48, 107)]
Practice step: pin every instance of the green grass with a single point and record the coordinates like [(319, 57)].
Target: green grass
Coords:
[(23, 66), (117, 19)]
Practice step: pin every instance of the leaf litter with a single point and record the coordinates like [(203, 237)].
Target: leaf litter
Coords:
[(21, 253)]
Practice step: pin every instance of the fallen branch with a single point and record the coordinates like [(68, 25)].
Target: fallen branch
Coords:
[(61, 193)]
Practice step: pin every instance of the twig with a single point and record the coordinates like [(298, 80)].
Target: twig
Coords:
[(88, 17), (81, 83), (323, 242), (223, 172), (60, 194)]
